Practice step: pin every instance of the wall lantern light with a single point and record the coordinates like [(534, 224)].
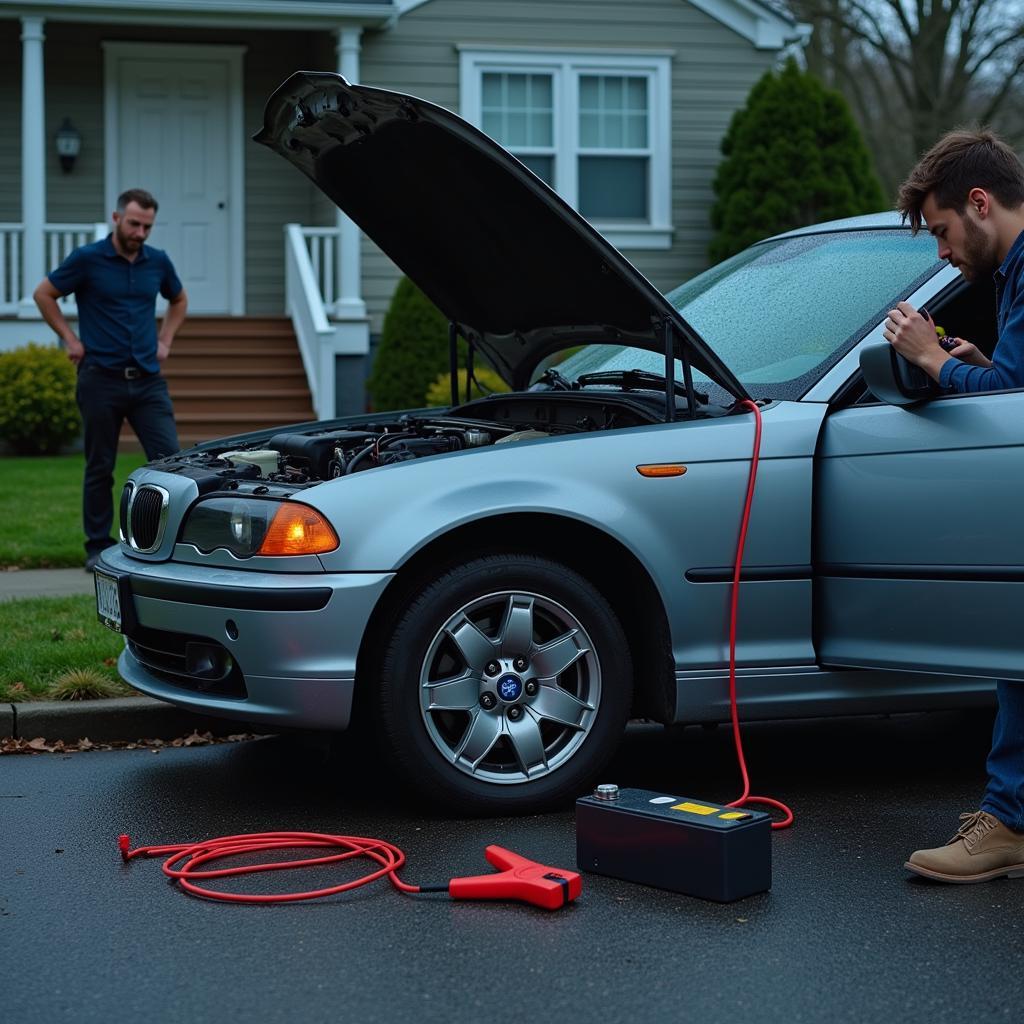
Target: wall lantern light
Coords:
[(69, 143)]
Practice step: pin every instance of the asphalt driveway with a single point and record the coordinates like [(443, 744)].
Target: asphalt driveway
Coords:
[(844, 935)]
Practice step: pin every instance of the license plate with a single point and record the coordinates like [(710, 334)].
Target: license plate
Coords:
[(108, 601)]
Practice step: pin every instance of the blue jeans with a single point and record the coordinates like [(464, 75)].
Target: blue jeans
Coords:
[(1004, 795), (105, 402)]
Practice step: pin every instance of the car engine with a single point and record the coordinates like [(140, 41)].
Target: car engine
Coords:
[(302, 457)]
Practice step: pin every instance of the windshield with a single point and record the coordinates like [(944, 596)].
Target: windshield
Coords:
[(780, 313)]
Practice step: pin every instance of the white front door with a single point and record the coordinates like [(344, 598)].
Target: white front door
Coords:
[(174, 137)]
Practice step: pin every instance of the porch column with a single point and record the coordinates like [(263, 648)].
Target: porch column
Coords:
[(349, 304), (33, 163)]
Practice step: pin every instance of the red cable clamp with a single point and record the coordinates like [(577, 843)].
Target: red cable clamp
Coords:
[(519, 879)]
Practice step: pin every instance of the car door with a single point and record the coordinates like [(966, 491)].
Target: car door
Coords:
[(919, 550)]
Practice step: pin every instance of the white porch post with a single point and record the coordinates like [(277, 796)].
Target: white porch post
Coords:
[(33, 162), (349, 304)]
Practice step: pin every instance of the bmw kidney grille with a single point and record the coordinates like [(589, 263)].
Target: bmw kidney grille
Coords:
[(144, 513)]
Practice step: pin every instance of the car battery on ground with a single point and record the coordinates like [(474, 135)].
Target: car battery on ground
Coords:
[(678, 843)]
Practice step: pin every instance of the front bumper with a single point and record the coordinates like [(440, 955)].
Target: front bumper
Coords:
[(289, 640)]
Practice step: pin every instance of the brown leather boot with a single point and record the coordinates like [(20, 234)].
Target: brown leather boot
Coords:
[(983, 848)]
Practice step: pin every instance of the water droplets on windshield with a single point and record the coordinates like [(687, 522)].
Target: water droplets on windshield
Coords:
[(781, 312)]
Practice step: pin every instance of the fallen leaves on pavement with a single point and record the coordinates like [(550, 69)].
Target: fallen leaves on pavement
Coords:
[(40, 745)]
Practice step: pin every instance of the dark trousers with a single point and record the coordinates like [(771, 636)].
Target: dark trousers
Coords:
[(105, 402), (1004, 796)]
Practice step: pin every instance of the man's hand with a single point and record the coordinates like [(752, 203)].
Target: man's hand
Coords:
[(46, 297), (173, 319), (75, 349), (968, 353), (915, 339)]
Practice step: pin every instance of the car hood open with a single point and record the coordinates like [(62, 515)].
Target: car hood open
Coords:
[(518, 271)]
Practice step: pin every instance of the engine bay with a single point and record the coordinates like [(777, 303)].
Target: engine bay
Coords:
[(297, 457)]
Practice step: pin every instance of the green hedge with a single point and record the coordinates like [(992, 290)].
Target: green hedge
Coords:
[(488, 382), (38, 412)]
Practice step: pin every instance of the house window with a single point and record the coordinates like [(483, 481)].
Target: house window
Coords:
[(593, 127), (614, 159), (518, 111)]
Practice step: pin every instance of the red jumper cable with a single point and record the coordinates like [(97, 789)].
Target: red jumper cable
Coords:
[(518, 878), (746, 798)]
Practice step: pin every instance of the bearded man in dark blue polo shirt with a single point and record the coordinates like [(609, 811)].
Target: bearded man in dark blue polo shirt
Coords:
[(969, 191), (117, 350)]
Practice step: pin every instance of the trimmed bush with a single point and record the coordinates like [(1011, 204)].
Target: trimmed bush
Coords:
[(38, 412), (792, 156), (413, 351), (440, 392)]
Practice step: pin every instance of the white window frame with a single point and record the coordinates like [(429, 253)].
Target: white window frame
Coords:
[(566, 68)]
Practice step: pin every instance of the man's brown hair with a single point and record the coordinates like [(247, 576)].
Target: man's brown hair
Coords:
[(958, 162), (136, 195)]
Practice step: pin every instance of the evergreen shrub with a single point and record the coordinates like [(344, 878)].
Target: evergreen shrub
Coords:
[(413, 351), (792, 156), (38, 412)]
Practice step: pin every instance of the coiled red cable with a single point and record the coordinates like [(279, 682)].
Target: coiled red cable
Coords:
[(746, 798), (184, 862)]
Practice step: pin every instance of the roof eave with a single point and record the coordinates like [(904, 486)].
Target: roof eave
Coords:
[(305, 14)]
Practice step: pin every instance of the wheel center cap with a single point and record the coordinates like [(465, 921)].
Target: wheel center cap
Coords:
[(510, 688)]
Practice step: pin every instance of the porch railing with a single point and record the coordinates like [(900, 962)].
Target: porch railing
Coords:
[(322, 245), (58, 240), (308, 287)]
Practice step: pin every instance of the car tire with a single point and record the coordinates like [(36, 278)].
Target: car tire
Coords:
[(504, 686)]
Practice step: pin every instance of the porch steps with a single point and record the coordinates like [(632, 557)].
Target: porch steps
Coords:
[(229, 375)]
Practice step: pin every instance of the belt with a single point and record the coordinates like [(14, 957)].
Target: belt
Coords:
[(121, 372)]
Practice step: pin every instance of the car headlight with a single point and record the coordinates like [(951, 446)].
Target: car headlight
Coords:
[(258, 526)]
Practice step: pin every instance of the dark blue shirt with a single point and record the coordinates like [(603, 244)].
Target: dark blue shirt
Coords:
[(117, 301), (1007, 369)]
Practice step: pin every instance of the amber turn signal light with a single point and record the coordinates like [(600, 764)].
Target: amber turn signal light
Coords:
[(298, 530), (662, 469)]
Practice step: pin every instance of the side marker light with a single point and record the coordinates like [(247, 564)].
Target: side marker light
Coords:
[(662, 469)]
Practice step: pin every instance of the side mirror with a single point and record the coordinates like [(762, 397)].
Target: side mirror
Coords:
[(891, 379)]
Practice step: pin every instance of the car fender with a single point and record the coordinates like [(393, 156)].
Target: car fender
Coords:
[(671, 525)]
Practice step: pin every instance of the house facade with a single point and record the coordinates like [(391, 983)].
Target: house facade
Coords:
[(620, 105)]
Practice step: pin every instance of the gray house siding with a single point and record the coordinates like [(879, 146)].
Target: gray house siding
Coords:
[(10, 116), (274, 193), (713, 69)]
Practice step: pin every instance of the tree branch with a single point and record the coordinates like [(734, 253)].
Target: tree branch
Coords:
[(1000, 97), (1011, 37)]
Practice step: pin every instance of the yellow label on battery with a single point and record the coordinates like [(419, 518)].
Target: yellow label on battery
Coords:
[(733, 815), (695, 808)]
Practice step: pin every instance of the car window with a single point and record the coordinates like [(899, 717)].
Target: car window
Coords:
[(780, 313)]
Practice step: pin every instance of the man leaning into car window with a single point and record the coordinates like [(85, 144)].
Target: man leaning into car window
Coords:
[(968, 189)]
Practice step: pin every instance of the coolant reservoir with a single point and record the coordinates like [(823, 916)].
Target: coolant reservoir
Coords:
[(265, 458)]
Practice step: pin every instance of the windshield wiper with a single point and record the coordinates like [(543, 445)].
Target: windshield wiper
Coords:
[(554, 380), (636, 380)]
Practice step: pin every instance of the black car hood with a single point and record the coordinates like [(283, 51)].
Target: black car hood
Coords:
[(495, 249)]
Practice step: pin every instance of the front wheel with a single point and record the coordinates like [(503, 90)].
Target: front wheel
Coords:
[(505, 685)]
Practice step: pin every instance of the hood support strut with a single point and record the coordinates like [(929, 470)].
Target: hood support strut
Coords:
[(453, 364), (691, 395), (670, 375), (453, 360), (670, 371)]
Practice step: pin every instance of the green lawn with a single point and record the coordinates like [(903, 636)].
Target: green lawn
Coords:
[(47, 636), (41, 508)]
